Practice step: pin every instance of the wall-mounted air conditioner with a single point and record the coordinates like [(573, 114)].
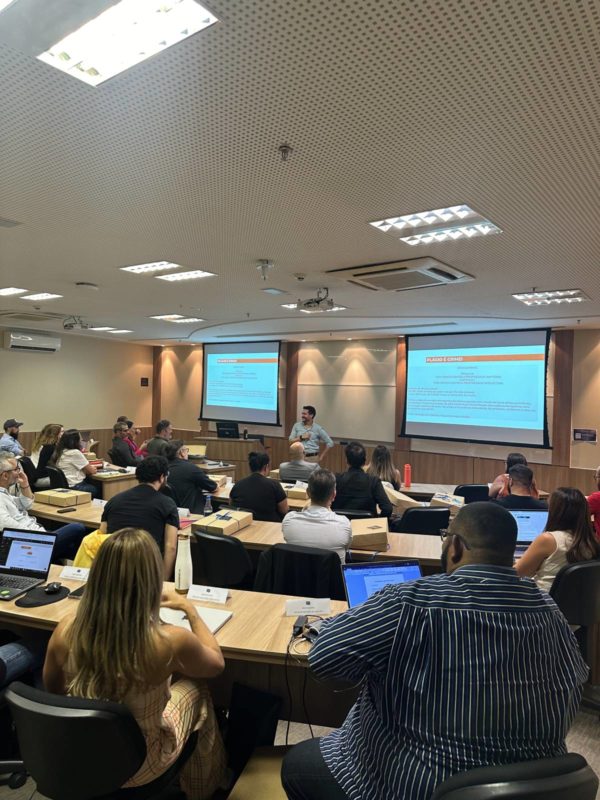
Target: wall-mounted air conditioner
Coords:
[(31, 342)]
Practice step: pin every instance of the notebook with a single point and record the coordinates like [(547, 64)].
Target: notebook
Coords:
[(25, 558), (213, 618), (529, 524), (365, 578)]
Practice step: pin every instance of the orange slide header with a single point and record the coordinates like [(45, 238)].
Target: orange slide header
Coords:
[(504, 357), (246, 360)]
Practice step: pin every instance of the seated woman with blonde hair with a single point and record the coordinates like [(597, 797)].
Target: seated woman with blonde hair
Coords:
[(381, 466), (116, 648), (568, 538)]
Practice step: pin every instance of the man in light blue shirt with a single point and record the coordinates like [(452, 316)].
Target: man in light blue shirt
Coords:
[(9, 440), (311, 434)]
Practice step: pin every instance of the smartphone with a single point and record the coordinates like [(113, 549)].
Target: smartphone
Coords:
[(65, 510)]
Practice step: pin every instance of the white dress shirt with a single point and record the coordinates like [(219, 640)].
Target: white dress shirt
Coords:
[(317, 526), (13, 512)]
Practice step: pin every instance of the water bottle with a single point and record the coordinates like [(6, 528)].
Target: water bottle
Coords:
[(407, 475), (183, 564), (208, 509)]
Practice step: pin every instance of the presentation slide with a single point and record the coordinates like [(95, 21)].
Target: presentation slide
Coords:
[(241, 382), (479, 387)]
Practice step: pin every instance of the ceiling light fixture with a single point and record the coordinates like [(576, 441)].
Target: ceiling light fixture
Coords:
[(122, 331), (125, 34), (4, 4), (168, 317), (10, 290), (102, 328), (152, 266), (272, 290), (438, 225), (40, 296), (187, 319), (185, 276), (555, 296)]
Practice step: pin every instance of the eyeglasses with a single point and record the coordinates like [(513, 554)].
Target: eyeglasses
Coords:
[(446, 532)]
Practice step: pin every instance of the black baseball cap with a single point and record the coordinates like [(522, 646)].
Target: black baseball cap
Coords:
[(12, 423)]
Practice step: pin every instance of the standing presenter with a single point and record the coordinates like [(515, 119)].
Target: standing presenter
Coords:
[(311, 434)]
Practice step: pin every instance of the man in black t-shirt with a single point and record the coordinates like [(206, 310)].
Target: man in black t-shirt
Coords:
[(187, 480), (147, 508), (520, 483), (259, 494)]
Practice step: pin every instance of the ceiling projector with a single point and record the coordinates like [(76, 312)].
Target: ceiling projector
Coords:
[(322, 302), (75, 324)]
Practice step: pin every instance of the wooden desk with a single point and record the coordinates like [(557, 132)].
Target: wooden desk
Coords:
[(224, 469), (221, 497), (88, 514), (254, 643), (114, 484)]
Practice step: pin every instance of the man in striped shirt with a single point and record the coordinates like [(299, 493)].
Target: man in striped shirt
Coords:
[(459, 670)]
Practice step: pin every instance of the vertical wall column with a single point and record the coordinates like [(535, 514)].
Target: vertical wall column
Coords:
[(563, 398), (291, 386), (157, 357), (400, 443)]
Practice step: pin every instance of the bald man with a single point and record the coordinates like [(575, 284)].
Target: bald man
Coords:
[(296, 469)]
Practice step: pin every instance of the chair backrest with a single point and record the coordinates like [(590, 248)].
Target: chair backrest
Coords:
[(576, 591), (541, 779), (28, 469), (353, 513), (58, 479), (473, 492), (168, 491), (219, 560), (301, 571), (73, 748), (114, 458), (422, 520)]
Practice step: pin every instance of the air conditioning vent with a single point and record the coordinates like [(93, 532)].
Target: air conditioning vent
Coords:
[(31, 342), (21, 317), (400, 276)]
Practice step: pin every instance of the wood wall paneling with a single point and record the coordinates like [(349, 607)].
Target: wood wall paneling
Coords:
[(563, 397), (157, 354), (291, 385)]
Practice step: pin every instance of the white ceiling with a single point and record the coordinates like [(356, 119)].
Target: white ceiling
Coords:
[(390, 108)]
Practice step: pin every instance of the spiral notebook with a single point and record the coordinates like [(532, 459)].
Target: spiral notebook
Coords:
[(213, 618)]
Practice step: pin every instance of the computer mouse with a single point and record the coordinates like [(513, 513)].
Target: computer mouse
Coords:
[(53, 588)]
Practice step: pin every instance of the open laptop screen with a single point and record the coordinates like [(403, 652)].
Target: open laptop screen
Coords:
[(364, 579), (26, 553), (529, 524)]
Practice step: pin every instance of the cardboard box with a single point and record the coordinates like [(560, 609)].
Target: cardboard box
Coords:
[(274, 474), (91, 456), (219, 479), (63, 497), (225, 521), (452, 501), (295, 492), (401, 501), (370, 534)]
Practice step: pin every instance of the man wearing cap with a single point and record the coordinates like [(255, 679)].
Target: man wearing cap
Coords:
[(9, 440)]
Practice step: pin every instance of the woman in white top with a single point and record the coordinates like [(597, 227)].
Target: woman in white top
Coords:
[(569, 537), (68, 457)]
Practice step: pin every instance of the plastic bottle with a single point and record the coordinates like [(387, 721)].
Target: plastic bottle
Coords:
[(407, 475), (208, 509), (183, 564)]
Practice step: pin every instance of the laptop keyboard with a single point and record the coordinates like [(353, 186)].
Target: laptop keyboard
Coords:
[(14, 582)]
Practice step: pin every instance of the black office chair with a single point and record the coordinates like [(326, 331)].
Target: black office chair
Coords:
[(576, 591), (422, 520), (113, 458), (473, 492), (300, 571), (541, 779), (58, 479), (219, 560), (168, 491), (353, 513), (29, 470), (78, 749)]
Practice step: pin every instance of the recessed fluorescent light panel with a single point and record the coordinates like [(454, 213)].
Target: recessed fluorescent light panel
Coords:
[(185, 276), (40, 296), (168, 317), (438, 225), (291, 306), (4, 4), (153, 266), (272, 290), (187, 319), (552, 297), (10, 290), (321, 310), (122, 331), (125, 34), (102, 328)]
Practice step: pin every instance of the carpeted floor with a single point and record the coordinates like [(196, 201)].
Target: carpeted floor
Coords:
[(584, 738)]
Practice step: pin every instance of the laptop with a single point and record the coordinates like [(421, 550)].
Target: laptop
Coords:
[(228, 430), (25, 558), (529, 525), (196, 451), (367, 577)]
